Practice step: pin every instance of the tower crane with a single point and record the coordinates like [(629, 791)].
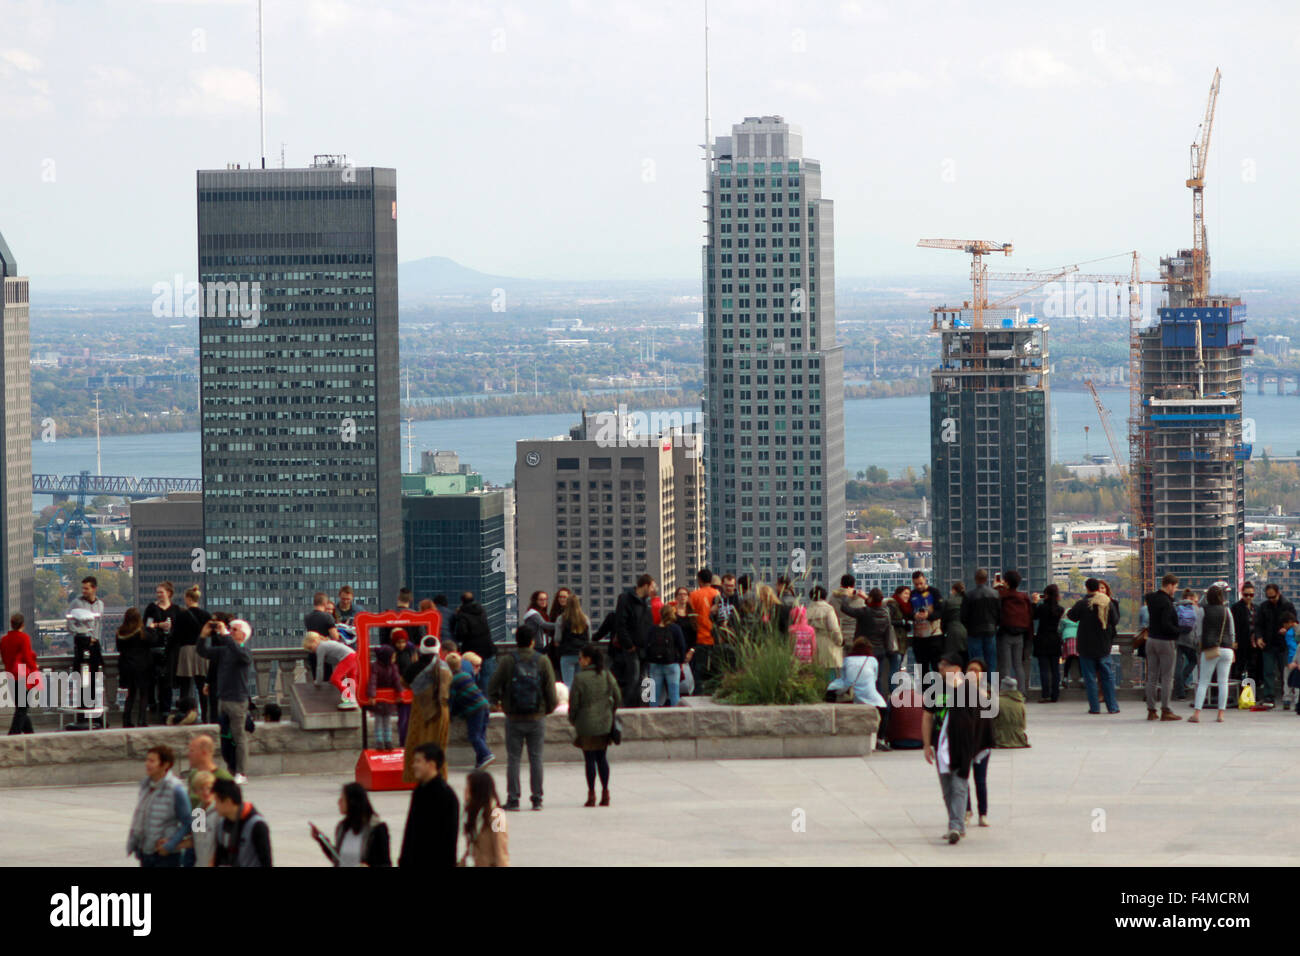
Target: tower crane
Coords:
[(977, 249), (1200, 154)]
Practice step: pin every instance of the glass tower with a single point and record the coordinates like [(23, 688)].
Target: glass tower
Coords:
[(774, 405), (299, 390), (17, 569)]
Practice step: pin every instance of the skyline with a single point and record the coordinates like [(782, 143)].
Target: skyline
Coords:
[(1134, 79)]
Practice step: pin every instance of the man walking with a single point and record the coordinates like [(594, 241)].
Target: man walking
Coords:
[(1162, 647), (162, 812), (524, 686), (20, 661), (954, 734), (245, 838), (632, 623), (434, 813), (1272, 642), (225, 646), (981, 613)]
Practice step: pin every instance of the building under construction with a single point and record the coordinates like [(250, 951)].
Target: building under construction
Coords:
[(1187, 454), (1191, 469), (989, 444)]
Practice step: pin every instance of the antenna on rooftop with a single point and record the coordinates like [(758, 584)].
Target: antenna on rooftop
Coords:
[(261, 113), (708, 134)]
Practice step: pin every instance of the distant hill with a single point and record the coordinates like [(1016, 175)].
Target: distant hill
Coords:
[(438, 275)]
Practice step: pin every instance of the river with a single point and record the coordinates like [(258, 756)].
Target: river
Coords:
[(892, 433)]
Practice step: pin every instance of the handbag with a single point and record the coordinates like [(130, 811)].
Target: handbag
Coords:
[(616, 731), (845, 696)]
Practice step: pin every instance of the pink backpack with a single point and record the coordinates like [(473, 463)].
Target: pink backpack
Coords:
[(805, 638)]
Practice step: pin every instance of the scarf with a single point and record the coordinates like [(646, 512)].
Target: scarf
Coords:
[(1100, 602)]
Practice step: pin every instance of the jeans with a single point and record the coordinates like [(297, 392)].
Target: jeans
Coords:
[(484, 676), (983, 647), (667, 678), (157, 859), (701, 664), (626, 668), (955, 792), (235, 711), (1011, 659), (980, 768), (1095, 668), (1272, 663), (882, 687), (519, 732), (383, 731), (1161, 657), (1212, 668), (568, 669), (476, 729), (1187, 658), (1049, 675)]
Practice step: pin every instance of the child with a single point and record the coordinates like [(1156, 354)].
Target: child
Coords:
[(468, 701), (384, 674), (1289, 693), (344, 661)]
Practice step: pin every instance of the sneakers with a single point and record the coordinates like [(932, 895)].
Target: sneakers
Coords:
[(240, 779), (489, 759), (953, 836), (1168, 715), (1152, 715), (349, 705), (537, 804), (511, 805), (984, 820)]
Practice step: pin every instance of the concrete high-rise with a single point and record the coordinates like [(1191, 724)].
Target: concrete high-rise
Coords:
[(164, 535), (299, 390), (1190, 465), (604, 505), (774, 404), (990, 446), (17, 569)]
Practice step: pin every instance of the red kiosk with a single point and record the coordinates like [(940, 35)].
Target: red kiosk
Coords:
[(382, 769)]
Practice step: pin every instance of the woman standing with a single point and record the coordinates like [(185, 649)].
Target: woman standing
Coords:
[(535, 618), (135, 667), (1047, 642), (1218, 644), (552, 649), (593, 705), (189, 666), (825, 623), (360, 838), (487, 840), (975, 673), (430, 720), (572, 632), (770, 610), (954, 631), (899, 607), (159, 626)]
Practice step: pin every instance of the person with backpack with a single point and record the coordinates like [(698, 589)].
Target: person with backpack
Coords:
[(665, 653), (524, 686), (1191, 617), (802, 635), (593, 708), (472, 632), (1161, 647)]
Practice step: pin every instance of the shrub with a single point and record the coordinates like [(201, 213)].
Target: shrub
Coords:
[(758, 666)]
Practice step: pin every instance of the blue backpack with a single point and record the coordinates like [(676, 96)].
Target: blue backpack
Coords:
[(1186, 618)]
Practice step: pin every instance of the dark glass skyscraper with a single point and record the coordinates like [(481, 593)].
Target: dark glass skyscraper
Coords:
[(17, 570), (299, 390)]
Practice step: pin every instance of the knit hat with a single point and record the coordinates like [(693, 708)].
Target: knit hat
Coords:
[(1009, 683)]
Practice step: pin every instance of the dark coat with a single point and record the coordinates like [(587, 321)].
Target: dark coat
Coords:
[(1163, 617), (431, 832), (234, 666), (1270, 619), (981, 611), (472, 632), (873, 624), (1047, 639), (632, 623), (1245, 621), (1094, 638)]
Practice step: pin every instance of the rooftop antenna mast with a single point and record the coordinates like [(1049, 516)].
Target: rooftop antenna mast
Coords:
[(261, 112), (708, 127), (410, 429)]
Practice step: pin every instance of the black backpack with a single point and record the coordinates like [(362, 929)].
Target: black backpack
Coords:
[(526, 686), (660, 648)]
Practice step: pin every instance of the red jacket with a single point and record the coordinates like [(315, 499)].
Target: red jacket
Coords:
[(16, 649), (1017, 612)]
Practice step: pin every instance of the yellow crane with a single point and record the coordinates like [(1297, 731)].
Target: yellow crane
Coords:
[(1200, 154), (977, 249)]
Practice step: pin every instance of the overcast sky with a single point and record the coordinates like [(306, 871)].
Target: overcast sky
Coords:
[(560, 138)]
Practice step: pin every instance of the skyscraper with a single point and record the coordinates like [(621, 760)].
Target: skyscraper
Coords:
[(990, 446), (17, 570), (299, 389), (774, 405), (164, 533)]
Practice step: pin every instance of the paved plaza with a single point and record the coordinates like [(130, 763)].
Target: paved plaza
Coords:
[(1092, 791)]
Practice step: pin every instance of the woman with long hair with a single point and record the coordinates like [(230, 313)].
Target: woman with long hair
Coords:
[(572, 633), (487, 840), (1218, 642), (135, 667), (536, 618), (954, 631), (771, 610), (360, 838), (593, 707)]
